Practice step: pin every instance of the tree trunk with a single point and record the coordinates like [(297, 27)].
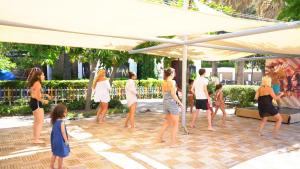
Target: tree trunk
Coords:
[(89, 91), (66, 67), (240, 72), (214, 69), (113, 74)]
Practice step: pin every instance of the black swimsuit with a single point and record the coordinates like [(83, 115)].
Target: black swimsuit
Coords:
[(35, 104)]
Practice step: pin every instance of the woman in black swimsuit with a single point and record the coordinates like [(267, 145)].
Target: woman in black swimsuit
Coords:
[(35, 78), (265, 95)]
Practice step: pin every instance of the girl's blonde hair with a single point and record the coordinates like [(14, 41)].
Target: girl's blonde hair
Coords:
[(100, 73), (266, 81)]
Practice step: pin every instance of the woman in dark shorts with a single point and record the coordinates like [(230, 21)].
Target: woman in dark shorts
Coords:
[(35, 78), (265, 95)]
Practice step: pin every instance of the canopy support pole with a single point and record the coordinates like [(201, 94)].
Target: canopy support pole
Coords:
[(248, 50), (183, 85)]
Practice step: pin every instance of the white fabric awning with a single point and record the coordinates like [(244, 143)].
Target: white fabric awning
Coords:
[(133, 18), (128, 23), (284, 41)]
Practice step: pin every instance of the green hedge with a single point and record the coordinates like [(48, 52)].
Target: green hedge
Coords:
[(20, 107), (243, 95), (58, 84)]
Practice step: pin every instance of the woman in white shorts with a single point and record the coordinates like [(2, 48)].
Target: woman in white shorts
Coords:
[(102, 87), (131, 97)]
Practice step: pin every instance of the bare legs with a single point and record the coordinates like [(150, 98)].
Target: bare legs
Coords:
[(209, 115), (130, 115), (209, 118), (194, 117), (102, 111), (174, 124), (222, 107), (278, 119), (262, 125), (38, 125), (60, 162), (98, 113), (165, 126), (173, 121)]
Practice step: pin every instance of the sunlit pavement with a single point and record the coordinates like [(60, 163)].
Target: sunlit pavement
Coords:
[(110, 145)]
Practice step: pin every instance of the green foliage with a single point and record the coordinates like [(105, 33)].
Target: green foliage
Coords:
[(38, 54), (6, 63), (119, 83), (115, 106), (146, 67), (20, 107), (115, 103), (56, 84), (208, 64), (6, 110), (73, 84), (226, 9), (243, 95), (225, 64), (290, 11), (76, 104)]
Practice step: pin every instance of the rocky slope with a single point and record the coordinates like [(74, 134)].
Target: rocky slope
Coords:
[(261, 8)]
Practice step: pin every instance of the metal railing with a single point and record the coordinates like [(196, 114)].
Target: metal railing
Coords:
[(13, 96)]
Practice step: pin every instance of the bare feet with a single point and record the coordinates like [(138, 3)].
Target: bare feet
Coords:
[(160, 140), (275, 135), (260, 133), (192, 126), (38, 141), (174, 145)]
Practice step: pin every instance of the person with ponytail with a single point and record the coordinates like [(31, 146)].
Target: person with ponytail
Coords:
[(131, 97), (171, 106), (35, 78)]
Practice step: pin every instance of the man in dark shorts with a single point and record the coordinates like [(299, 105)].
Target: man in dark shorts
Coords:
[(199, 89)]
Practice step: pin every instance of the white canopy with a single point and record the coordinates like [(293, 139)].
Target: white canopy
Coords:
[(98, 23)]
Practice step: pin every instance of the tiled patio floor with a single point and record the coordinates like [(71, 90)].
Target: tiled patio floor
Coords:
[(112, 146)]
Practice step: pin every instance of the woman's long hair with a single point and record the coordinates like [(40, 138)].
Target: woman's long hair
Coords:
[(168, 72), (266, 81), (34, 75)]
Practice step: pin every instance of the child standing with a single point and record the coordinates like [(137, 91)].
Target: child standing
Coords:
[(59, 136), (219, 102)]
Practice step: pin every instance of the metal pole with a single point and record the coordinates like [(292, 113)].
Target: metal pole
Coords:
[(184, 93), (265, 29), (243, 50)]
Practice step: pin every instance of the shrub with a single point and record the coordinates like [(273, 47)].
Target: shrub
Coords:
[(6, 110), (74, 84), (244, 95), (76, 104)]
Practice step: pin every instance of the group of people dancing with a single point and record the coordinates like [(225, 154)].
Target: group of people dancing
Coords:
[(172, 106)]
